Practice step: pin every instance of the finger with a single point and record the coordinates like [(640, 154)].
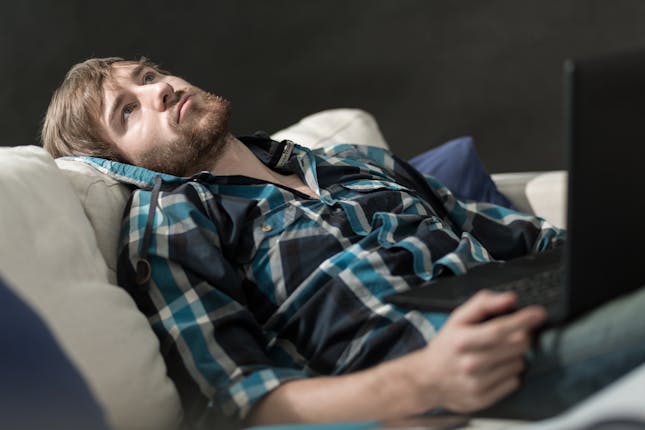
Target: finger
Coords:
[(525, 319), (482, 305), (501, 331), (504, 328), (491, 339), (481, 362), (490, 358)]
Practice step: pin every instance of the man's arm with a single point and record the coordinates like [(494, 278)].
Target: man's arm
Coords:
[(469, 365)]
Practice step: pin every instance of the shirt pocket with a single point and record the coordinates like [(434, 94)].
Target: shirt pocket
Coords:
[(269, 230), (274, 223)]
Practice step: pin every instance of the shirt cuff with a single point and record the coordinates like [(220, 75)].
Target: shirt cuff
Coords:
[(243, 395)]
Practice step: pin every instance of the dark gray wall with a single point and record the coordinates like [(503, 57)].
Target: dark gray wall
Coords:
[(428, 70)]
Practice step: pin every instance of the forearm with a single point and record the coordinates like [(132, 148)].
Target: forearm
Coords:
[(382, 392)]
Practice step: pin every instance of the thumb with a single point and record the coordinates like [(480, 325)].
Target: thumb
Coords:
[(483, 305)]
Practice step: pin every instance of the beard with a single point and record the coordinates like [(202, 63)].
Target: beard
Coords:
[(201, 136)]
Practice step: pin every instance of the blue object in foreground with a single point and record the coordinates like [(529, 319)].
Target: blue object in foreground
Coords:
[(39, 386)]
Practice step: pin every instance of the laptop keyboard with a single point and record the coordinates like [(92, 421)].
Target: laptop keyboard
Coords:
[(536, 279), (542, 288)]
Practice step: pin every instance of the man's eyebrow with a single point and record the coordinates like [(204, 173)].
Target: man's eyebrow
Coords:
[(134, 76), (134, 73)]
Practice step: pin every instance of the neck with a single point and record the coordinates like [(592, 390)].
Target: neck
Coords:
[(237, 159)]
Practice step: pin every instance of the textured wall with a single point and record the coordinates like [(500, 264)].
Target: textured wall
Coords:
[(428, 70)]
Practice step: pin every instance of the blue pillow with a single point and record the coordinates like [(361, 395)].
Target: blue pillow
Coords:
[(457, 165), (39, 386)]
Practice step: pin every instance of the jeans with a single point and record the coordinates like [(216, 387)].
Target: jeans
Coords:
[(571, 362)]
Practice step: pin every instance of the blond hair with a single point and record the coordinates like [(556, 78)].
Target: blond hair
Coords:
[(72, 123)]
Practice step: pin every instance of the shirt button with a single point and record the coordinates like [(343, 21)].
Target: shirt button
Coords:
[(266, 228)]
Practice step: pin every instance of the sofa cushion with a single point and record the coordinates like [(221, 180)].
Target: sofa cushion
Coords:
[(547, 194), (49, 256), (334, 126), (103, 199)]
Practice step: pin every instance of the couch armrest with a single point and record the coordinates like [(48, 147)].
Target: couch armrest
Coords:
[(539, 193)]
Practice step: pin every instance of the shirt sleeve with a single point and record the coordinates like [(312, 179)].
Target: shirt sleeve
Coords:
[(213, 346)]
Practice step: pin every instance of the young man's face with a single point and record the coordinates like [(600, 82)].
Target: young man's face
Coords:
[(162, 122)]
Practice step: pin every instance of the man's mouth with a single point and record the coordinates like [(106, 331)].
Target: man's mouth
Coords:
[(182, 106)]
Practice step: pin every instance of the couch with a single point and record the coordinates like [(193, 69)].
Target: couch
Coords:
[(59, 226)]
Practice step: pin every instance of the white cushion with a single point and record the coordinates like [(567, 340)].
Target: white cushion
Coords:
[(103, 199), (334, 126), (547, 194), (513, 186), (50, 258)]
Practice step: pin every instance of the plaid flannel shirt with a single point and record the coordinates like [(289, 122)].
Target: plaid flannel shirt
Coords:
[(254, 284)]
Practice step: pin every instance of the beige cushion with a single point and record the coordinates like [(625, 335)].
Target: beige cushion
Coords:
[(49, 256), (513, 186), (103, 199), (334, 126), (547, 194)]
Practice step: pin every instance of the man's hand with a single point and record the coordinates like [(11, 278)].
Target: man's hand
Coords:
[(475, 361)]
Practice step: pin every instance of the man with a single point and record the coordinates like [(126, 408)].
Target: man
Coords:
[(262, 266)]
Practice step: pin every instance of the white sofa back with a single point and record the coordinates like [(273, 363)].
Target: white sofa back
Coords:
[(49, 256)]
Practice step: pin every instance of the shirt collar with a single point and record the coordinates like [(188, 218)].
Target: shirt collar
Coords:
[(275, 155)]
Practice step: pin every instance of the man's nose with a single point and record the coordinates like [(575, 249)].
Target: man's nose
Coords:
[(160, 94)]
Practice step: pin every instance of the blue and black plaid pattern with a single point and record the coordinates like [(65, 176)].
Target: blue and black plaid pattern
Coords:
[(254, 284)]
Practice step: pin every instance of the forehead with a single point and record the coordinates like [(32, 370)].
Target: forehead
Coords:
[(121, 73), (123, 67)]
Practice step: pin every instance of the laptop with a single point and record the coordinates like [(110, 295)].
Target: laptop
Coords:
[(603, 256)]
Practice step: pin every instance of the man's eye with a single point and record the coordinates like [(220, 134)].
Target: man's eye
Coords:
[(148, 78), (127, 111)]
